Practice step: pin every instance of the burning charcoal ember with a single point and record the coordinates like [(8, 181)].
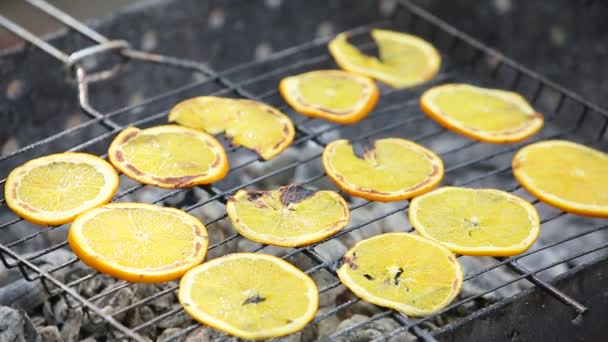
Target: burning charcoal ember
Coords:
[(15, 325)]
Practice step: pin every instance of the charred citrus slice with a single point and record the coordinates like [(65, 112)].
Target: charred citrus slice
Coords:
[(401, 271), (476, 221), (251, 124), (489, 115), (249, 295), (290, 216), (169, 156), (56, 188), (569, 176), (405, 60), (334, 95), (389, 169), (139, 242)]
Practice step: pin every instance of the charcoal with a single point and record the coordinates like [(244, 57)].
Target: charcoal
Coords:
[(70, 330), (179, 320), (200, 335), (60, 310), (50, 333), (15, 325), (168, 333)]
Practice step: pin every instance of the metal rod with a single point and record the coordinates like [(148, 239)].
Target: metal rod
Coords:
[(33, 39)]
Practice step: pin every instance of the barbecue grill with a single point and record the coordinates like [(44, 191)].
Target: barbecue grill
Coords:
[(552, 281)]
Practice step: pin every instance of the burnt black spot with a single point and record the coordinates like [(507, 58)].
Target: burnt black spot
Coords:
[(361, 147), (397, 275), (254, 195), (294, 194), (351, 262), (368, 277), (254, 300)]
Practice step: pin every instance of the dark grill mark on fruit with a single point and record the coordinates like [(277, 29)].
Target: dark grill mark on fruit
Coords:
[(118, 156), (179, 182), (397, 275), (254, 300), (254, 195), (368, 277), (294, 194), (360, 148), (130, 135), (351, 262)]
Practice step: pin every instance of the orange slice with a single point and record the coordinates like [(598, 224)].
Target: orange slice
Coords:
[(139, 242), (569, 176), (334, 95), (489, 115), (389, 169), (476, 221), (169, 156), (56, 188), (290, 216), (251, 124), (402, 271), (405, 60), (249, 295)]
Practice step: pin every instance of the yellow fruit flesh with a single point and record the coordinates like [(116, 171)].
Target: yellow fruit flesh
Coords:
[(140, 238), (258, 296), (482, 110), (403, 270), (248, 123), (268, 216), (567, 172), (474, 218), (390, 167), (331, 92), (169, 154), (60, 186)]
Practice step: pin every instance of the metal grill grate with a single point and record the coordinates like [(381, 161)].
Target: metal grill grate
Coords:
[(467, 162)]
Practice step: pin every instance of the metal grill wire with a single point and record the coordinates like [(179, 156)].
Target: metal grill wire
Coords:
[(397, 114)]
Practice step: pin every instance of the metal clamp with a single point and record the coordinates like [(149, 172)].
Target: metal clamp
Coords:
[(91, 51)]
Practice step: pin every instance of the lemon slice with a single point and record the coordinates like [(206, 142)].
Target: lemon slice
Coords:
[(405, 60), (489, 115), (169, 156), (401, 271), (251, 296), (251, 124), (333, 95), (139, 242), (290, 216), (56, 188), (476, 221), (389, 169), (569, 176)]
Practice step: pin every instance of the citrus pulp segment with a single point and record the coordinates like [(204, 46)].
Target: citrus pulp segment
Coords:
[(249, 295), (476, 221), (290, 216), (139, 242), (169, 156), (402, 271), (405, 60), (489, 115), (251, 124), (389, 169), (56, 188)]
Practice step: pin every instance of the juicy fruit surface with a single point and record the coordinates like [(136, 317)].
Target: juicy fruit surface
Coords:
[(252, 296), (290, 216), (405, 60), (482, 113), (55, 188), (169, 156), (337, 93), (567, 175), (402, 271), (139, 242), (391, 167), (476, 221), (250, 124)]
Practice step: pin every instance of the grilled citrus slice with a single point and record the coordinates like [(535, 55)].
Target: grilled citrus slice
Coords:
[(401, 271), (569, 176), (405, 60), (334, 95), (249, 295), (489, 115), (476, 221), (290, 216), (389, 169), (139, 242), (169, 156), (251, 124), (56, 188)]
